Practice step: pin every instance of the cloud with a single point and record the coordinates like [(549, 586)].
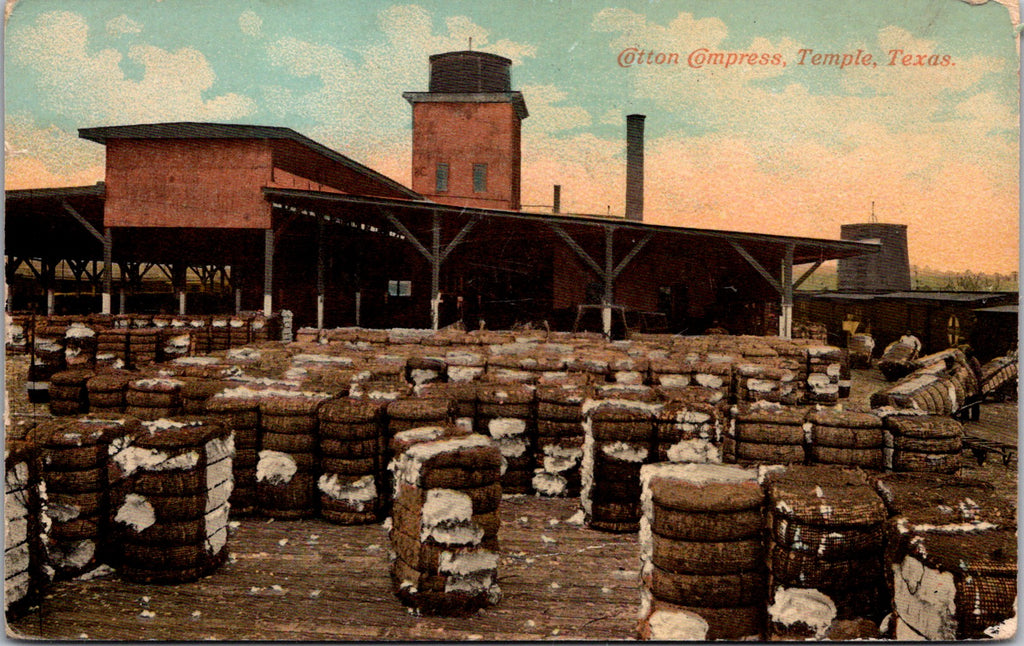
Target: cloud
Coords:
[(123, 25), (43, 157), (396, 63), (250, 24), (80, 84)]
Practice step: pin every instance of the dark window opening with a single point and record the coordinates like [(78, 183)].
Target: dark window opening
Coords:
[(442, 178), (479, 178)]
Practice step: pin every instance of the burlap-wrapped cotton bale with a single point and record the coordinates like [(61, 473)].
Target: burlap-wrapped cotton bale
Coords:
[(143, 346), (755, 382), (18, 332), (379, 390), (860, 348), (68, 393), (507, 413), (205, 367), (106, 390), (931, 443), (769, 433), (464, 394), (592, 364), (48, 346), (23, 526), (174, 344), (701, 550), (846, 438), (383, 367), (953, 582), (75, 471), (238, 331), (923, 504), (632, 392), (405, 440), (800, 614), (352, 485), (826, 525), (289, 459), (465, 365), (196, 391), (424, 370), (689, 432), (689, 394), (713, 372), (845, 375), (630, 370), (262, 328), (112, 342), (932, 392), (238, 409), (618, 441), (896, 361), (673, 371), (79, 346), (444, 526), (153, 398), (199, 329), (997, 373), (169, 500), (410, 412)]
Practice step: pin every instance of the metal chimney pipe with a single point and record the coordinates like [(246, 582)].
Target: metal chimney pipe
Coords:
[(635, 167), (557, 203)]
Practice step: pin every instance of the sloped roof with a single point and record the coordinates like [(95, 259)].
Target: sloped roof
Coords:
[(203, 130)]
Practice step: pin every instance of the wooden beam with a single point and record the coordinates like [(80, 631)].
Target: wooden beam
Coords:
[(631, 255), (575, 246), (408, 235), (463, 232), (807, 274), (757, 266), (81, 220)]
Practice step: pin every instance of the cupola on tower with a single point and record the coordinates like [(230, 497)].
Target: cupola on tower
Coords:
[(466, 147)]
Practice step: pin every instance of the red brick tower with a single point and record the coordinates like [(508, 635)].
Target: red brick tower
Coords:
[(466, 132)]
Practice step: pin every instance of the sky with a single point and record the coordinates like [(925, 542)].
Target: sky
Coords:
[(796, 149)]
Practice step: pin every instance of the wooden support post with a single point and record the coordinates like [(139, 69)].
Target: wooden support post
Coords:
[(178, 279), (609, 281), (320, 253), (435, 273), (268, 271), (786, 318)]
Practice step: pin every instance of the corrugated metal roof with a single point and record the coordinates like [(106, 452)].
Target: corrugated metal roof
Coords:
[(957, 297), (999, 309), (203, 130)]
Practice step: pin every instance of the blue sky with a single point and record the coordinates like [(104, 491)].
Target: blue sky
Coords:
[(797, 150)]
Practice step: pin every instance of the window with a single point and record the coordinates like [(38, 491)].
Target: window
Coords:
[(442, 178), (479, 178), (399, 288)]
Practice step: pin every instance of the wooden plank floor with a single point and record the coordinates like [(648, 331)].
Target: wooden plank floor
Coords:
[(310, 580)]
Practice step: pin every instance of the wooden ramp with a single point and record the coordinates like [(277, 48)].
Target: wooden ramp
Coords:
[(310, 580)]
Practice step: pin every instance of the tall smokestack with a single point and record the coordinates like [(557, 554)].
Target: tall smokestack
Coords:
[(635, 167)]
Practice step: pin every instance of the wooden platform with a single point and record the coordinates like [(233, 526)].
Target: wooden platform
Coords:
[(560, 581)]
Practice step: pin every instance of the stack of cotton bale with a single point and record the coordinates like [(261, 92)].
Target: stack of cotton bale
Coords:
[(846, 438), (824, 369), (896, 361), (112, 346), (143, 346), (170, 487), (756, 382), (196, 391), (220, 333), (929, 443), (383, 367), (23, 526), (630, 369), (79, 346), (238, 410), (465, 364), (174, 344), (826, 539), (618, 438), (689, 431), (769, 433), (106, 390), (68, 393), (511, 363), (47, 360), (701, 553), (672, 371), (505, 412), (559, 439), (288, 465), (713, 371), (18, 332), (75, 470), (352, 461), (152, 398), (238, 331), (589, 364), (330, 373), (793, 360), (409, 412), (262, 328), (951, 558), (444, 525)]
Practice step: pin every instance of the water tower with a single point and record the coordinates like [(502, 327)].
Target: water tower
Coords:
[(887, 270), (466, 132)]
